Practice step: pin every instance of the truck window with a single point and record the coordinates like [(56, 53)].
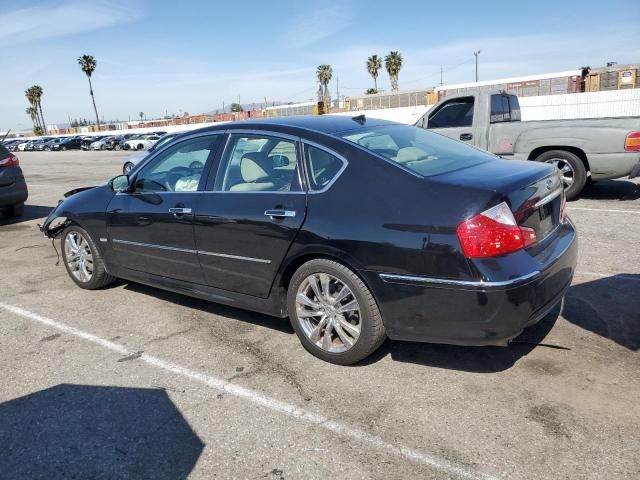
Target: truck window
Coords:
[(455, 113), (504, 108)]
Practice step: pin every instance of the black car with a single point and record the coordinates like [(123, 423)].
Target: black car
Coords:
[(69, 143), (13, 188), (114, 143), (356, 229)]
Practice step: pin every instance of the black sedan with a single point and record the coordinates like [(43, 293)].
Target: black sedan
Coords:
[(13, 188), (355, 229)]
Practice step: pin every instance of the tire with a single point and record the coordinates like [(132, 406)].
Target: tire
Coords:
[(368, 318), (98, 277), (127, 167), (14, 211), (117, 148), (64, 149), (140, 146), (571, 166)]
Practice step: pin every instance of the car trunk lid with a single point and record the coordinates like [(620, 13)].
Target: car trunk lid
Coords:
[(533, 191)]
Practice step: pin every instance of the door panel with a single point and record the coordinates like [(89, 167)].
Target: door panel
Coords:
[(240, 247), (151, 227), (146, 236)]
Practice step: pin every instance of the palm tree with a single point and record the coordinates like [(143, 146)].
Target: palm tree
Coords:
[(34, 96), (141, 115), (38, 92), (393, 64), (88, 65), (34, 116), (324, 74), (374, 63)]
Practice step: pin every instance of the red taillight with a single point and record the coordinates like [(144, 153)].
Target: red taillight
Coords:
[(10, 161), (494, 232), (632, 142)]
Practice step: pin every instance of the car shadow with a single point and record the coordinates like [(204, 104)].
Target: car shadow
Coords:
[(621, 190), (31, 212), (469, 359), (86, 431), (609, 307), (280, 324)]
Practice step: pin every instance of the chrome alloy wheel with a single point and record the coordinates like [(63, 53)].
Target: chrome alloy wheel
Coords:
[(566, 171), (78, 256), (328, 312)]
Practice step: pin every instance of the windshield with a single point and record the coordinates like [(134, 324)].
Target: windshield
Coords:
[(425, 153)]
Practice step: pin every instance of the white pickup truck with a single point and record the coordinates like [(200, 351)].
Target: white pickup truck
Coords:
[(584, 150)]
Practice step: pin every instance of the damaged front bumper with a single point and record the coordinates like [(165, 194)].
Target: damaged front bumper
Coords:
[(55, 222)]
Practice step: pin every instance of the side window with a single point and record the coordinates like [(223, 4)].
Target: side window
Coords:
[(514, 107), (455, 113), (256, 163), (323, 167), (504, 108), (179, 168)]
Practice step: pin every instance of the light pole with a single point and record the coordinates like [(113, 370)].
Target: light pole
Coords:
[(476, 55)]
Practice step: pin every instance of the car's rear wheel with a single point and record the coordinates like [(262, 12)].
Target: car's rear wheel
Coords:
[(63, 148), (13, 211), (140, 146), (572, 171), (334, 313), (127, 168), (83, 260)]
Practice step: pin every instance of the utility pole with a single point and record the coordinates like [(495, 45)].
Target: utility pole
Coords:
[(476, 55), (338, 90), (441, 75)]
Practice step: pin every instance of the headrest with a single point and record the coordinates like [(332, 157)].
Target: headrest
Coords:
[(255, 166), (410, 154)]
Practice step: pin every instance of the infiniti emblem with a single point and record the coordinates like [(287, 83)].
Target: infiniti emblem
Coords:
[(549, 184)]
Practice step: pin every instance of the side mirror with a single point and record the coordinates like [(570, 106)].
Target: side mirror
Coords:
[(120, 184)]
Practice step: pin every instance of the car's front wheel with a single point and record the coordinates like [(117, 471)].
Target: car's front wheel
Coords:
[(83, 260), (334, 313), (127, 168)]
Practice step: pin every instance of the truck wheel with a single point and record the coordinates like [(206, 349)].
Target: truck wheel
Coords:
[(83, 260), (572, 170), (333, 313), (14, 211)]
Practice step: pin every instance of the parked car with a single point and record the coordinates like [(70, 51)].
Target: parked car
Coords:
[(582, 150), (49, 146), (12, 145), (22, 147), (69, 143), (114, 143), (100, 144), (143, 142), (38, 145), (137, 157), (13, 188), (453, 245), (87, 141)]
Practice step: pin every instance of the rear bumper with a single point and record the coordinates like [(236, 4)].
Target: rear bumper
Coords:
[(476, 313), (612, 165), (14, 193)]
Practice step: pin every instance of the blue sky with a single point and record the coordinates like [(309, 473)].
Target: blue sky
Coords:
[(157, 56)]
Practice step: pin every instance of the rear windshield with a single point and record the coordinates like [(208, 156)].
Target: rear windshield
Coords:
[(4, 153), (425, 153)]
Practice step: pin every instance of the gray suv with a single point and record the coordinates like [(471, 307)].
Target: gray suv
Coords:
[(13, 188)]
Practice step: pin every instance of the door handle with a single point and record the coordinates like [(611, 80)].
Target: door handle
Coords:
[(466, 136), (180, 211), (279, 213)]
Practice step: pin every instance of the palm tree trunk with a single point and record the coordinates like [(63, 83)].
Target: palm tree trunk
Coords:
[(375, 83), (44, 125), (95, 109)]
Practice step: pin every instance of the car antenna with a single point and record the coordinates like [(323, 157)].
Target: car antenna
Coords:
[(361, 119), (5, 135)]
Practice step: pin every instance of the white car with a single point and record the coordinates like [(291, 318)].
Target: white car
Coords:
[(144, 142), (22, 146)]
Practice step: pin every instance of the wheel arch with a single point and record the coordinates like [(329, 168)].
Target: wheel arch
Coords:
[(578, 152)]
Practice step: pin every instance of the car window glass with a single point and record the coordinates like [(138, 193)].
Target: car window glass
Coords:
[(323, 167), (179, 168), (255, 163), (455, 113)]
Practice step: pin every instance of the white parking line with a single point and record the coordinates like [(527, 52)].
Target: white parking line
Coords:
[(259, 398), (637, 212)]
